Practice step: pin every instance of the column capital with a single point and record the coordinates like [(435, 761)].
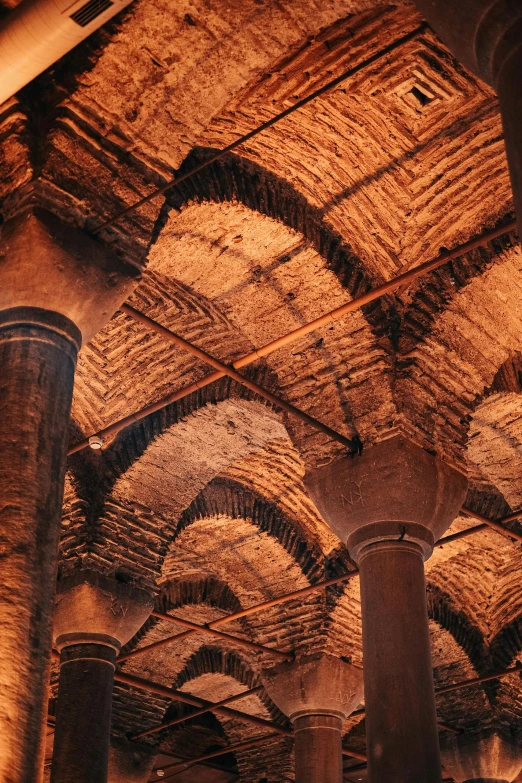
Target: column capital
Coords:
[(317, 684), (394, 491), (52, 266), (480, 757), (94, 609), (129, 762)]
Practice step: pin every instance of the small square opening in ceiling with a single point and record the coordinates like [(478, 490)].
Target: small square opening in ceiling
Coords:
[(422, 97)]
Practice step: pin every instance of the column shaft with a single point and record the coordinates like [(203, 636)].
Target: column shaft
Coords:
[(509, 88), (318, 749), (37, 361), (83, 715), (401, 722)]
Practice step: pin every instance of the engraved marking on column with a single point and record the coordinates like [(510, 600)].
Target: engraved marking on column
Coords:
[(354, 496)]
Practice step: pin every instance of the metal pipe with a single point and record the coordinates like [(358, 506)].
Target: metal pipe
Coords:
[(301, 331), (197, 713), (282, 598), (478, 680), (175, 695), (495, 525), (232, 373), (269, 124), (195, 628), (227, 370), (181, 766), (194, 701), (461, 534)]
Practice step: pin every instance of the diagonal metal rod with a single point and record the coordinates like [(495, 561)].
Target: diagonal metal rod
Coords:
[(232, 373), (301, 593), (266, 125), (301, 331), (221, 366), (175, 695), (181, 766), (195, 701), (196, 628), (517, 669), (497, 526), (193, 628), (197, 713)]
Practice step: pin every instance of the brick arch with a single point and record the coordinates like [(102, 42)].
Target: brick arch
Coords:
[(506, 693), (213, 673), (230, 498), (430, 296), (214, 660), (443, 378), (199, 589), (140, 513), (132, 443), (189, 590), (507, 643), (239, 180), (269, 281), (442, 610)]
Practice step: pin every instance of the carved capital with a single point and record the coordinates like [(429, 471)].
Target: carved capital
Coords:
[(394, 491), (482, 756), (48, 264), (317, 684), (129, 762), (91, 607)]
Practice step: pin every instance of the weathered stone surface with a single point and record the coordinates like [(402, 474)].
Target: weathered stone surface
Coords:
[(401, 721), (203, 501), (94, 617), (317, 693)]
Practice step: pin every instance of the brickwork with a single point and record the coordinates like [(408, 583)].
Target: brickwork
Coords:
[(203, 502)]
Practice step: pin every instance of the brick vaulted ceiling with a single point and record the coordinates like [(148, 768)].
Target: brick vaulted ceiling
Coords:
[(203, 501)]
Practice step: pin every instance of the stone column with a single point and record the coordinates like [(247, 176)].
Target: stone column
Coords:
[(317, 693), (94, 617), (480, 757), (389, 506), (56, 288), (486, 35)]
